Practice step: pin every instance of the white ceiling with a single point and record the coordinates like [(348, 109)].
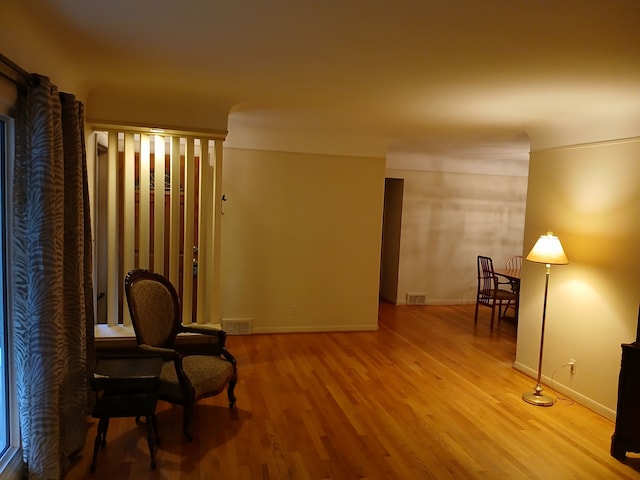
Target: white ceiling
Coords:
[(373, 75)]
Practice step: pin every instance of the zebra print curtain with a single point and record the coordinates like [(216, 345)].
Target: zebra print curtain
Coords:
[(51, 293)]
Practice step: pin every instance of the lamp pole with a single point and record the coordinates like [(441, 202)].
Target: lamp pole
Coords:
[(547, 250), (537, 397)]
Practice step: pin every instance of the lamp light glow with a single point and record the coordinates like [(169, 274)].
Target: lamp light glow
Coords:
[(548, 249)]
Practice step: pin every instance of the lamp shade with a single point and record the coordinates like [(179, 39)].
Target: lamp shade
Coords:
[(548, 250)]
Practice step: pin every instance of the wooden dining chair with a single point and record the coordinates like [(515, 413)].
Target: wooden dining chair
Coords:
[(514, 263), (489, 293)]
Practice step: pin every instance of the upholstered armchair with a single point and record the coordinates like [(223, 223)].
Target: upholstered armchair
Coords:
[(185, 378)]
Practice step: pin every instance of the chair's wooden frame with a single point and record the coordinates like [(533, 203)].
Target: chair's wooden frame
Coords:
[(164, 345), (513, 263), (489, 292)]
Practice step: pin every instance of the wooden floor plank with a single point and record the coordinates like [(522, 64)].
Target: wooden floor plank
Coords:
[(431, 395)]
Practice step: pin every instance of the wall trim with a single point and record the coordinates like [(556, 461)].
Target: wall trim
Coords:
[(441, 301), (599, 143), (316, 329), (572, 394), (101, 125)]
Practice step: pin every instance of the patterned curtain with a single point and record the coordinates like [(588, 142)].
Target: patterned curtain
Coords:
[(51, 292)]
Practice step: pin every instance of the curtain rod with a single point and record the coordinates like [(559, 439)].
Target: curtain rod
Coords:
[(24, 76)]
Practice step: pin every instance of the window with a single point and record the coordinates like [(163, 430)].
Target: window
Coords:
[(4, 402), (10, 461)]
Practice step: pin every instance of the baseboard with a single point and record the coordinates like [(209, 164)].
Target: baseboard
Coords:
[(430, 301), (316, 329), (565, 390)]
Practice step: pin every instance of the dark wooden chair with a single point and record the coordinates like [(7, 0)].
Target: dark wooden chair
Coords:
[(489, 293), (185, 377)]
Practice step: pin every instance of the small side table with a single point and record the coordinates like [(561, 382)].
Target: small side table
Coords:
[(126, 386)]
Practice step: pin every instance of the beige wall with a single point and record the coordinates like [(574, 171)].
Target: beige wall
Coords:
[(28, 41), (301, 238), (590, 197), (450, 218), (301, 234)]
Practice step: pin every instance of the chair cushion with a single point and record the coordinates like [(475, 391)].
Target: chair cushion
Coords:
[(505, 295), (208, 375)]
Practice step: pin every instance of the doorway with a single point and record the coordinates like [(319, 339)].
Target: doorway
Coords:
[(391, 233)]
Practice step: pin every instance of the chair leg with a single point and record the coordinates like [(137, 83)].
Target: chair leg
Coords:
[(152, 448), (154, 424), (475, 319), (493, 314), (230, 394), (186, 421), (100, 441)]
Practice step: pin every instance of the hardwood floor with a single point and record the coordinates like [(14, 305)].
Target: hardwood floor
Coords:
[(428, 396)]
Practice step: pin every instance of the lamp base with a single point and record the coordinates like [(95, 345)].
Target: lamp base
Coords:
[(538, 398)]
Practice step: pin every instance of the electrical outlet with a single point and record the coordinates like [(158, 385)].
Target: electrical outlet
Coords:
[(572, 366)]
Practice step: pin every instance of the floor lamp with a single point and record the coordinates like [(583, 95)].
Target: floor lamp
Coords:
[(547, 250)]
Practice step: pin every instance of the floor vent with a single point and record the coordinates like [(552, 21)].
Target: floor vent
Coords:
[(236, 326), (416, 299)]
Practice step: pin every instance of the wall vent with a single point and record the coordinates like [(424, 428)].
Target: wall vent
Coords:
[(416, 299), (236, 326)]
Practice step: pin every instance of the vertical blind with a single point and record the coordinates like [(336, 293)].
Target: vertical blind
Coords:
[(159, 203)]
